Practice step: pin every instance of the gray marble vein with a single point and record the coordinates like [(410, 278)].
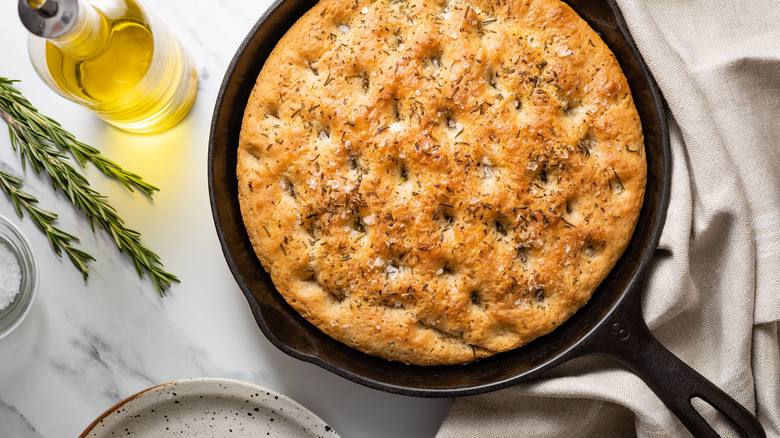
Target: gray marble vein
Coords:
[(87, 345), (14, 425)]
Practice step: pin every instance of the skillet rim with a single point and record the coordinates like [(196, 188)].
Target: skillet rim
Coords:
[(630, 294)]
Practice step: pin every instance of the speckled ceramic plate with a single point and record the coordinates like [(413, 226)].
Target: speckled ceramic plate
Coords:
[(208, 408)]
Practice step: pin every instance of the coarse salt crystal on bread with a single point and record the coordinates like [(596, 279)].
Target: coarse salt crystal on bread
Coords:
[(436, 182)]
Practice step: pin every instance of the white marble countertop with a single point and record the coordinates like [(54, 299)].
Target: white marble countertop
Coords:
[(86, 346)]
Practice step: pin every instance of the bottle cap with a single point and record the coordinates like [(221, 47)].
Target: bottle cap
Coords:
[(48, 18)]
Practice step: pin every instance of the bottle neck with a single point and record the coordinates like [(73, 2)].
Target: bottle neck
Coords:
[(74, 26), (87, 35)]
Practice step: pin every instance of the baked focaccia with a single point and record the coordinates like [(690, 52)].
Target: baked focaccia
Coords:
[(434, 182)]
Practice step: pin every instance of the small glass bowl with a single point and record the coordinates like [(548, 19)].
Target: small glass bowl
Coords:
[(12, 238)]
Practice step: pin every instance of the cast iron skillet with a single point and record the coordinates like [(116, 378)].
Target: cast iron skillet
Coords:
[(611, 323)]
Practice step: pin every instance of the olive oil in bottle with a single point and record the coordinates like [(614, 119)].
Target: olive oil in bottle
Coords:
[(113, 57)]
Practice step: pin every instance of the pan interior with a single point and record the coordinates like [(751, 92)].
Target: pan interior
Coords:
[(286, 329)]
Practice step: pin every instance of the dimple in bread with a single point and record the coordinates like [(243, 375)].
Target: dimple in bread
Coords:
[(436, 182)]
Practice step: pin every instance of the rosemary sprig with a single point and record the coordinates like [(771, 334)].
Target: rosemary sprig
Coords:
[(20, 110), (60, 240), (31, 137)]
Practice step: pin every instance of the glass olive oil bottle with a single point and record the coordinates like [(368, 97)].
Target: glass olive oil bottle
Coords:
[(113, 57)]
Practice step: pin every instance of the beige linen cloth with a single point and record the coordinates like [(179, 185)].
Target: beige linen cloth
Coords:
[(713, 295)]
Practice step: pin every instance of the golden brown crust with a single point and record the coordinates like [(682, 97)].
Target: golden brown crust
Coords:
[(435, 182)]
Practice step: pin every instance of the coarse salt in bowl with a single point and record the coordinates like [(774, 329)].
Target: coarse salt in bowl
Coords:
[(18, 276)]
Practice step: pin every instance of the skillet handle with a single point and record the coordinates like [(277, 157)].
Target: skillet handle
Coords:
[(626, 337)]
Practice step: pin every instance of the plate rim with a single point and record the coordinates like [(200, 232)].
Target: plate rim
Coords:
[(213, 382)]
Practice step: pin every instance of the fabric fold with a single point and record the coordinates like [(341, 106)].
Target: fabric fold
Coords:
[(713, 293)]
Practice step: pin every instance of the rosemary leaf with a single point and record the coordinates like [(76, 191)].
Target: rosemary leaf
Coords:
[(59, 240), (41, 127), (43, 144)]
